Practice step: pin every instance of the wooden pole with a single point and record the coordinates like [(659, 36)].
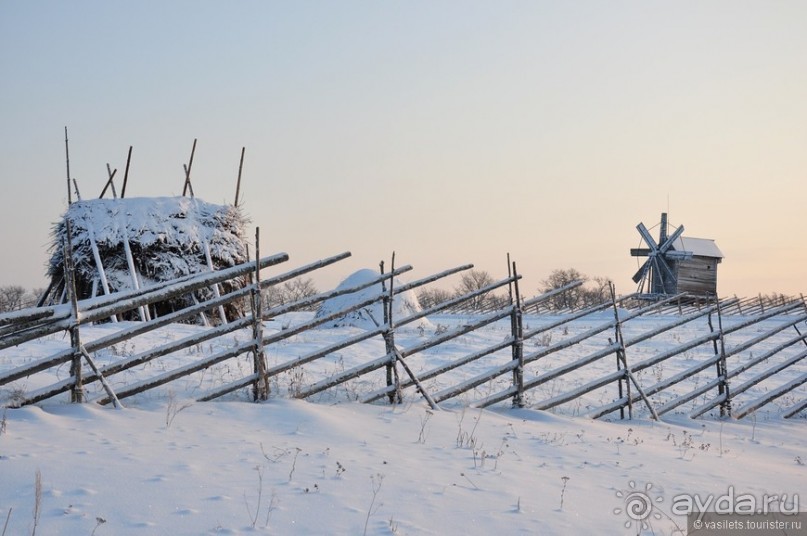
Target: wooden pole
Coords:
[(67, 161), (642, 394), (215, 288), (238, 182), (389, 337), (98, 263), (620, 354), (127, 249), (75, 187), (111, 174), (188, 184), (260, 389), (722, 369), (111, 182), (77, 390), (771, 395), (620, 381), (420, 388), (188, 172), (517, 326), (108, 388), (126, 173)]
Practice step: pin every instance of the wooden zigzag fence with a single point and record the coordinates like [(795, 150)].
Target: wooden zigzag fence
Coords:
[(516, 378)]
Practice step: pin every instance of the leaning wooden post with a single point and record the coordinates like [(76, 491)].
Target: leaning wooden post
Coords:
[(77, 391), (621, 358), (127, 250), (628, 373), (187, 168), (215, 288), (416, 381), (260, 389), (67, 161), (75, 187), (96, 254), (126, 173), (238, 182), (188, 176), (109, 182), (517, 325), (107, 387)]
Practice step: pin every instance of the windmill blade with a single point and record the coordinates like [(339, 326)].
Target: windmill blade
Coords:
[(678, 255), (648, 239), (660, 260), (638, 276), (656, 277), (672, 238)]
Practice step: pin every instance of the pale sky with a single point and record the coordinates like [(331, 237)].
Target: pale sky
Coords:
[(449, 132)]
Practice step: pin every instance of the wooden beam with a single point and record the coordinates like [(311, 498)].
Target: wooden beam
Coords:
[(126, 173), (109, 183), (238, 182), (187, 186), (67, 162), (771, 396)]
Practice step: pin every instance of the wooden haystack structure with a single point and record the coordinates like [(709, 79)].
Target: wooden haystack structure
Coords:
[(125, 244), (676, 264)]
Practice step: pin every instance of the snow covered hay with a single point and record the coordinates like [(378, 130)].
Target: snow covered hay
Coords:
[(404, 304), (143, 241)]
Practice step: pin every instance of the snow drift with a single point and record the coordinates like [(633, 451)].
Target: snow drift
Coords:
[(404, 304)]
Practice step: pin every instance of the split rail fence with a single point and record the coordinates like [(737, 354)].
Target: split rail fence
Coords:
[(730, 378)]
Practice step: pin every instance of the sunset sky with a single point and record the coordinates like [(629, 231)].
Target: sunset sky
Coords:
[(448, 132)]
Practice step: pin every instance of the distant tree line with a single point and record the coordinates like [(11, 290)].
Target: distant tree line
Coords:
[(470, 281), (594, 291)]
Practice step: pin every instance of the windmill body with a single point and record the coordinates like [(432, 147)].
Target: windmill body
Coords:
[(676, 263)]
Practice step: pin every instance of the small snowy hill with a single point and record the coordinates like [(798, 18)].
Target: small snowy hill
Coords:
[(404, 304)]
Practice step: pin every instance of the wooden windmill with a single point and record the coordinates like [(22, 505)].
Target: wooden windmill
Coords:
[(676, 263)]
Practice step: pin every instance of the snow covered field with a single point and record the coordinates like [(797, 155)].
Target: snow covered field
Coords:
[(329, 465)]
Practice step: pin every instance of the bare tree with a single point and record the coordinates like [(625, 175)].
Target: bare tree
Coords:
[(14, 297), (597, 291), (299, 288), (594, 292), (570, 299), (429, 297), (290, 292), (472, 281)]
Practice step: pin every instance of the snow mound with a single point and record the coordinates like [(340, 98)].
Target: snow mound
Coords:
[(404, 304)]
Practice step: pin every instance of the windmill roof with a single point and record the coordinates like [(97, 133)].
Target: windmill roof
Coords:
[(700, 247)]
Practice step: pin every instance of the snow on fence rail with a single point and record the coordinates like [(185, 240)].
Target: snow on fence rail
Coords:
[(518, 366)]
